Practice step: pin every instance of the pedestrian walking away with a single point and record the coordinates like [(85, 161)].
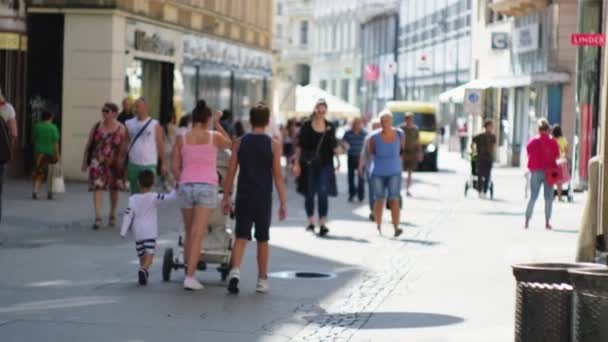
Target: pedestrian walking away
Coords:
[(127, 111), (8, 138), (146, 145), (484, 145), (314, 165), (194, 168), (412, 151), (365, 167), (353, 141), (385, 146), (562, 142), (46, 151), (141, 217), (257, 158), (104, 160), (543, 152)]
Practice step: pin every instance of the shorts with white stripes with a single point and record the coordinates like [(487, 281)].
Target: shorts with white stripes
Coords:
[(145, 247)]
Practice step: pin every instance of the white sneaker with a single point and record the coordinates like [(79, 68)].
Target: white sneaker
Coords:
[(192, 284), (233, 280), (263, 286)]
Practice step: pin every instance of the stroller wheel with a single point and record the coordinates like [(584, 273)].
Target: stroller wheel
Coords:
[(224, 271), (167, 264)]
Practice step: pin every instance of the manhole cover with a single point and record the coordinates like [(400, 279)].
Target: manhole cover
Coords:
[(302, 275)]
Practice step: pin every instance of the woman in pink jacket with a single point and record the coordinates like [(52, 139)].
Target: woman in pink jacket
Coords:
[(543, 152)]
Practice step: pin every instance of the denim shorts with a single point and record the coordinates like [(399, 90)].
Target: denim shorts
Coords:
[(386, 184), (193, 195)]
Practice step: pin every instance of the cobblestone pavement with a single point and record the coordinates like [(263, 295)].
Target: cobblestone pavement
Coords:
[(446, 279)]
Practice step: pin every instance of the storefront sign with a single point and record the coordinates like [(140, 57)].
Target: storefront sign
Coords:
[(203, 49), (525, 39), (473, 102), (423, 63), (153, 44), (588, 39), (9, 41), (500, 40)]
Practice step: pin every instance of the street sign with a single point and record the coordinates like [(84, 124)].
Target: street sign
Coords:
[(500, 40), (473, 102), (588, 39)]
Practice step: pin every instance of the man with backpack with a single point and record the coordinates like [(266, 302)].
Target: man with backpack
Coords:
[(8, 138)]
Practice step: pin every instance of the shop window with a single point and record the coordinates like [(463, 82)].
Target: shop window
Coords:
[(323, 84), (304, 32)]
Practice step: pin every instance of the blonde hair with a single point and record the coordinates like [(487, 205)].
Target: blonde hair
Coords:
[(384, 113), (543, 125)]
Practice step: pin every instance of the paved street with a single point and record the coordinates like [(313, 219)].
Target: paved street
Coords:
[(447, 279)]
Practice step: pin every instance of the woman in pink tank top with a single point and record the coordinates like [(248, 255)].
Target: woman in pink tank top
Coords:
[(194, 167)]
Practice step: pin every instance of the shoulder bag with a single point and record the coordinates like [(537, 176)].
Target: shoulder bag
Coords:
[(91, 146), (313, 158), (141, 131)]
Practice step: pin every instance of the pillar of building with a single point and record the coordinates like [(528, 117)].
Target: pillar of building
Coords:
[(93, 73)]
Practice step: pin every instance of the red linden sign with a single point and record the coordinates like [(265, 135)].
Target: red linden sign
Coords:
[(588, 39)]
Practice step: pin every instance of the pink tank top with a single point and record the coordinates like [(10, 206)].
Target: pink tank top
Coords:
[(199, 163)]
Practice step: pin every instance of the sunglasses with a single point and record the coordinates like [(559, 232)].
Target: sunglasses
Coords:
[(105, 111)]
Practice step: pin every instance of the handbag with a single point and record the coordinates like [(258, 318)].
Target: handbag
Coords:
[(91, 146), (313, 158), (55, 179)]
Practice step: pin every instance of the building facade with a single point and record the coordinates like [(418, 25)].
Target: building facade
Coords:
[(543, 63), (172, 53), (13, 65), (293, 47), (434, 47), (336, 65), (379, 27)]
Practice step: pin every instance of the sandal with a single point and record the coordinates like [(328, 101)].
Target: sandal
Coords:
[(112, 221), (97, 224)]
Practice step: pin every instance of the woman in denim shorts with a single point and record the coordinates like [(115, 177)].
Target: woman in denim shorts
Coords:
[(194, 167), (385, 147)]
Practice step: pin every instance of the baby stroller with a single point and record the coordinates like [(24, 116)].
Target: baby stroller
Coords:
[(472, 182), (217, 246)]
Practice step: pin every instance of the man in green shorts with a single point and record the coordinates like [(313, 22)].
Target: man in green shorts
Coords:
[(146, 145)]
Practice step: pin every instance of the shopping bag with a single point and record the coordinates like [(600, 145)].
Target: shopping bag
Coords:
[(57, 183)]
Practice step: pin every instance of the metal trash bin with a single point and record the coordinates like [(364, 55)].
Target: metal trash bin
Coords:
[(544, 301), (590, 304)]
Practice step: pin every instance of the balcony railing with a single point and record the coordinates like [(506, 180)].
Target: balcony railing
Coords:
[(75, 3)]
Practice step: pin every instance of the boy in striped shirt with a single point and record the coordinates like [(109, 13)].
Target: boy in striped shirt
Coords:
[(141, 216)]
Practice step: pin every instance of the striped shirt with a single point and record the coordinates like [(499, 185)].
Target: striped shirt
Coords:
[(355, 142)]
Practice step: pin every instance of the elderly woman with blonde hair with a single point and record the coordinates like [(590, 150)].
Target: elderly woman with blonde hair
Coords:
[(385, 147)]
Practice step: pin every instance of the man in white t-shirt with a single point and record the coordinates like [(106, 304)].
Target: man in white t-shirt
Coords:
[(7, 113), (146, 145)]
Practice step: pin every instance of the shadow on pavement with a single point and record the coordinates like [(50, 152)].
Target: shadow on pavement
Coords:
[(420, 242), (344, 238), (408, 224), (566, 231), (392, 320), (502, 213)]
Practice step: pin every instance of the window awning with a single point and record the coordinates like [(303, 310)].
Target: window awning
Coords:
[(456, 95)]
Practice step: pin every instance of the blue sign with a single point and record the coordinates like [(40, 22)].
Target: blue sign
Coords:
[(473, 98)]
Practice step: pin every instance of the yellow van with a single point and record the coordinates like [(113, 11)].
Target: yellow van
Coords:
[(426, 120)]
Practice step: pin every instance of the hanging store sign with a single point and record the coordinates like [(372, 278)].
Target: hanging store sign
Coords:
[(500, 40), (372, 73), (588, 39), (525, 39), (423, 62)]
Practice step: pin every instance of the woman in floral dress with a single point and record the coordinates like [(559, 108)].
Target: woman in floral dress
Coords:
[(104, 158)]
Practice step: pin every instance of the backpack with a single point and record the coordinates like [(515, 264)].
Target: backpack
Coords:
[(5, 143)]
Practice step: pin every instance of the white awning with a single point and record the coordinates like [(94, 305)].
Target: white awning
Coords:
[(456, 95), (307, 97)]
